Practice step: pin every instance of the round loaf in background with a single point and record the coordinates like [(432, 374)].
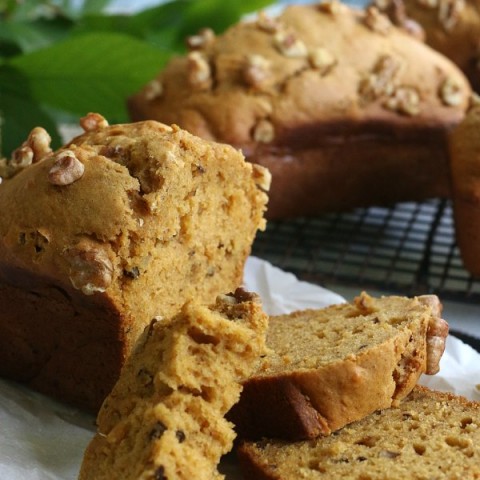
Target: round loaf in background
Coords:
[(329, 99), (123, 224), (451, 27)]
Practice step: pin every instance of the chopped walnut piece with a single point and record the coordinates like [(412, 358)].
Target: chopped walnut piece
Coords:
[(396, 12), (153, 90), (199, 71), (331, 6), (90, 269), (264, 131), (39, 141), (382, 79), (449, 12), (256, 71), (377, 21), (92, 122), (266, 23), (321, 59), (451, 93), (262, 177), (405, 100), (203, 39), (67, 169), (436, 337), (289, 45), (22, 157), (428, 3)]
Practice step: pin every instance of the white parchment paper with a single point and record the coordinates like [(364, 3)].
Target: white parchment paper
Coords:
[(43, 440)]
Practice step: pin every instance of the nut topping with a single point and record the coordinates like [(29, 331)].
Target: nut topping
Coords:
[(321, 59), (376, 21), (256, 71), (91, 269), (428, 3), (67, 169), (153, 90), (264, 131), (203, 39), (405, 100), (451, 93), (289, 45), (39, 141), (22, 157), (92, 122), (381, 81), (330, 6), (449, 12), (199, 71), (266, 23), (262, 177)]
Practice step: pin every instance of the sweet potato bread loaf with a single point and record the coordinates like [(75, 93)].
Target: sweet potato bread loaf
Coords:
[(333, 366), (451, 26), (164, 418), (430, 435), (123, 224), (344, 108), (465, 165)]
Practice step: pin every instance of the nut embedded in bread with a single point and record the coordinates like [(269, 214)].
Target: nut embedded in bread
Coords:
[(333, 366), (164, 419), (340, 123), (429, 435), (123, 224)]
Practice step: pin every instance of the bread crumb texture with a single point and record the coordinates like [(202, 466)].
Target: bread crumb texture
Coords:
[(164, 419), (429, 435)]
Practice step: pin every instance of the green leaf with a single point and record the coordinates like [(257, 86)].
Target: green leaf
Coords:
[(92, 72), (19, 113)]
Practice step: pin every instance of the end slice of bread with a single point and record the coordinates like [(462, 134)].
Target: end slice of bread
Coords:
[(164, 418), (429, 435), (330, 367)]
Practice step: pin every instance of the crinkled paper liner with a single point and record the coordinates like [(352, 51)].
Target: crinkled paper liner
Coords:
[(44, 440)]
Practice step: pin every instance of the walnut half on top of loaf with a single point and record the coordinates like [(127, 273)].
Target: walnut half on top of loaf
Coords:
[(329, 367), (123, 224), (164, 419), (328, 98)]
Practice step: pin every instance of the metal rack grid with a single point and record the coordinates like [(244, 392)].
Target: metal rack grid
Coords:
[(408, 248)]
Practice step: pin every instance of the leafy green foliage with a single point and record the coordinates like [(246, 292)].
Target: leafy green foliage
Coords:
[(70, 57)]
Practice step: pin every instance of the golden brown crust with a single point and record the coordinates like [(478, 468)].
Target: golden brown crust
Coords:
[(312, 93), (153, 217)]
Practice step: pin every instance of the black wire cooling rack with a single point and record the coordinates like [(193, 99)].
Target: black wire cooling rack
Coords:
[(409, 249)]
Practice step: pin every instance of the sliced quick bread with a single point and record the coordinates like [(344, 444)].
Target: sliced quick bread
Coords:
[(333, 366), (430, 435), (164, 418)]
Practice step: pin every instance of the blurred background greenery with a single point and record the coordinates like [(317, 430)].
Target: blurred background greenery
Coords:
[(61, 59)]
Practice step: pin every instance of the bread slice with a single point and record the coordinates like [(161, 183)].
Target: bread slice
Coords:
[(154, 217), (328, 98), (333, 366), (429, 435), (164, 418)]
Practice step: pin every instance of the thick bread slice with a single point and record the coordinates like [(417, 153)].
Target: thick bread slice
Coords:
[(431, 435), (164, 418), (333, 366)]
